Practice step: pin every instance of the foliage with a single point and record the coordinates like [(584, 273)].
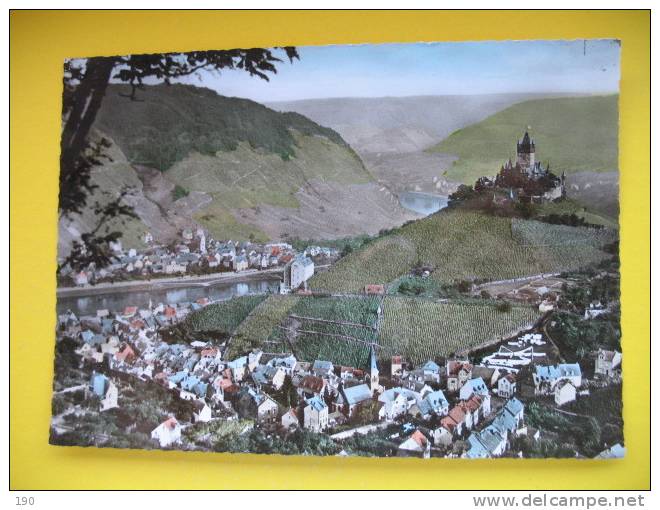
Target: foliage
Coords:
[(211, 123), (260, 323), (372, 444), (421, 330), (578, 337), (223, 317), (464, 245), (298, 442), (345, 344), (85, 85), (179, 192)]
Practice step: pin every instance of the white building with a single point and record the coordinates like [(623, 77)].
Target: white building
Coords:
[(167, 433), (316, 415), (607, 362), (564, 393), (298, 271)]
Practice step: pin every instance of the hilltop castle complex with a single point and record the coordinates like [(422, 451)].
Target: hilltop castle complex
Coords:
[(527, 179)]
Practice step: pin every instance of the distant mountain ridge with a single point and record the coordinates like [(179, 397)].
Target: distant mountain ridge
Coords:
[(391, 134)]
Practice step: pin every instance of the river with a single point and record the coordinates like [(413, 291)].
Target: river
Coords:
[(87, 305), (422, 203)]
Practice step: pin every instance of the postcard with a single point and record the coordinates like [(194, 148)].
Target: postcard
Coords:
[(395, 250)]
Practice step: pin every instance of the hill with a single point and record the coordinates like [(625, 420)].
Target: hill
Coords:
[(462, 245), (573, 134), (391, 134), (234, 166)]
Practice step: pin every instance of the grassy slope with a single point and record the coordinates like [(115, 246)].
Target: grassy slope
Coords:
[(466, 245), (573, 134), (421, 329), (240, 152)]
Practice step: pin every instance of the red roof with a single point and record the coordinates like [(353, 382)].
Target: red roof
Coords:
[(374, 289), (170, 423), (312, 384), (454, 367), (419, 438)]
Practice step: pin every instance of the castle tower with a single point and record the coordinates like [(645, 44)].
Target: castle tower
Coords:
[(373, 371), (525, 150)]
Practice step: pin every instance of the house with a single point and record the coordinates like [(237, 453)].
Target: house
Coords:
[(240, 263), (290, 419), (473, 386), (488, 443), (506, 386), (202, 412), (105, 390), (322, 368), (546, 377), (256, 405), (492, 440), (458, 373), (417, 445), (272, 377), (316, 415), (431, 371), (433, 404), (167, 433), (288, 363), (397, 402), (125, 354), (607, 362), (564, 392), (349, 399), (311, 386), (238, 368), (298, 271), (397, 366), (510, 419), (81, 278), (488, 374), (456, 422)]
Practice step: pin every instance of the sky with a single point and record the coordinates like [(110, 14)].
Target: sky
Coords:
[(464, 68)]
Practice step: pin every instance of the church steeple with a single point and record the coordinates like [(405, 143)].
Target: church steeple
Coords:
[(373, 371)]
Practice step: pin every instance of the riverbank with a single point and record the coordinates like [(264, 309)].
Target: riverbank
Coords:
[(168, 283)]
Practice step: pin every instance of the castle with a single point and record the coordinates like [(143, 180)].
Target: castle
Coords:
[(528, 178)]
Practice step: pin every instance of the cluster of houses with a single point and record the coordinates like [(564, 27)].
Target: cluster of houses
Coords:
[(196, 253), (476, 405)]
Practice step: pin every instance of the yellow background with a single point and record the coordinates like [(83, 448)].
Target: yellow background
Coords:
[(39, 43)]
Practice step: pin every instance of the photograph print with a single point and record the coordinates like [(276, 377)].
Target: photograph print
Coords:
[(394, 250)]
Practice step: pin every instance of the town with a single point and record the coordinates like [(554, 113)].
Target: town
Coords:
[(199, 254), (455, 408)]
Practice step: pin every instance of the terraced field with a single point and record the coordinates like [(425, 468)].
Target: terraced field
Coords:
[(223, 317), (421, 329), (340, 330), (463, 245), (259, 324)]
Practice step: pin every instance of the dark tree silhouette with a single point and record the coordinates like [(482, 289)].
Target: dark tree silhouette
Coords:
[(85, 84)]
